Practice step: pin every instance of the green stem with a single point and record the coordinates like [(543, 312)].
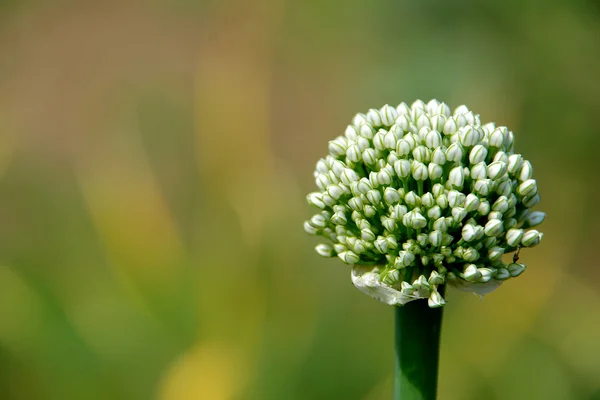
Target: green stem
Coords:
[(418, 330)]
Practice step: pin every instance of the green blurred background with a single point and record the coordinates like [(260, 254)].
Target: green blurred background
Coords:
[(154, 161)]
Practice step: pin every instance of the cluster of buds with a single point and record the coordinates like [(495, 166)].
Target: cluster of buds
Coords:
[(418, 196)]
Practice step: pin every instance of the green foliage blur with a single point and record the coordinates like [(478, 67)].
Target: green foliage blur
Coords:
[(154, 161)]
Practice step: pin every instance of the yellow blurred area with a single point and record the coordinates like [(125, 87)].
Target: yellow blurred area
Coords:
[(154, 161)]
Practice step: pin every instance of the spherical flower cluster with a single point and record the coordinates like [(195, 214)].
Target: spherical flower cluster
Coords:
[(416, 197)]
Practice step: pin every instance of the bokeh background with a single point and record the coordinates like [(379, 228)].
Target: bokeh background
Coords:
[(154, 161)]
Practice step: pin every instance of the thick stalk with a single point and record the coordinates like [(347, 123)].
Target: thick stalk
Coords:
[(418, 329)]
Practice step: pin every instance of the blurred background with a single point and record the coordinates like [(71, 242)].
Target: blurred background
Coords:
[(154, 161)]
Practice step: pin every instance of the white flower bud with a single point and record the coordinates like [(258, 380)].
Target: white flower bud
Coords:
[(389, 140), (471, 273), (495, 253), (434, 171), (316, 200), (374, 117), (438, 189), (351, 132), (419, 171), (515, 269), (348, 176), (366, 130), (339, 219), (308, 228), (434, 212), (339, 248), (455, 153), (494, 227), (440, 224), (427, 200), (442, 201), (374, 196), (437, 122), (531, 238), (470, 255), (402, 168), (388, 115), (367, 235), (423, 122), (369, 157), (405, 258), (501, 156), (438, 156), (422, 239), (389, 223), (496, 170), (433, 139), (526, 171), (486, 274), (384, 177), (421, 154), (479, 171), (534, 219), (450, 126), (504, 188), (458, 214), (335, 191), (318, 221), (391, 195), (324, 250), (403, 148), (515, 162), (337, 147), (501, 204), (509, 223), (328, 200), (359, 119), (468, 233), (353, 153), (403, 109), (412, 199), (456, 178), (435, 238), (456, 198), (477, 154), (435, 300), (461, 121), (417, 221), (469, 136), (514, 236), (483, 186), (348, 257), (497, 138), (471, 202)]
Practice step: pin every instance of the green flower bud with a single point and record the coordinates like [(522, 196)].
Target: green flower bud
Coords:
[(516, 269), (534, 219), (478, 154), (531, 238), (502, 274), (324, 250)]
